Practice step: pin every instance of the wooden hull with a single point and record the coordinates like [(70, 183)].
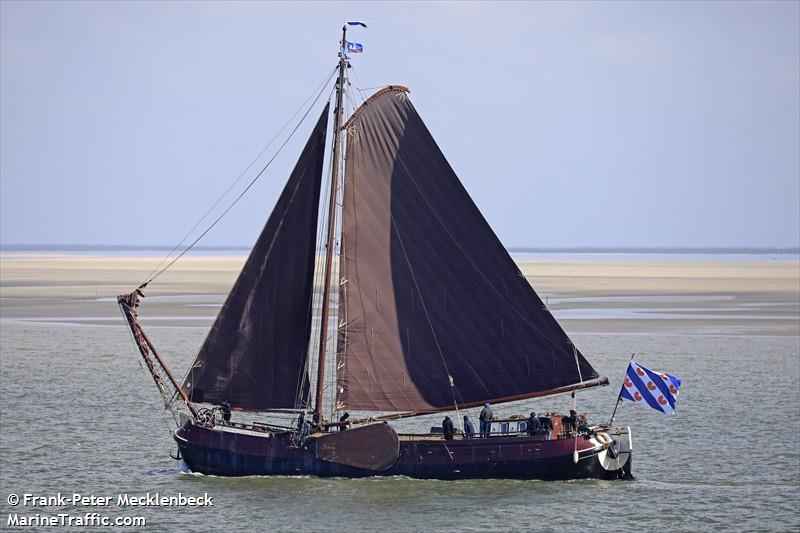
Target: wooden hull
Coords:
[(224, 452)]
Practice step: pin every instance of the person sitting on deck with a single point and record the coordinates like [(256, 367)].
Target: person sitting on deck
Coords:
[(469, 427), (570, 422), (316, 422), (486, 419), (225, 409), (447, 428), (582, 424), (533, 424)]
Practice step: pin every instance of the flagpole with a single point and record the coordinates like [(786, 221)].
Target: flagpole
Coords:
[(619, 396)]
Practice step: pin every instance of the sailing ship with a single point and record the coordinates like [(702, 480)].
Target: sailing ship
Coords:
[(431, 315)]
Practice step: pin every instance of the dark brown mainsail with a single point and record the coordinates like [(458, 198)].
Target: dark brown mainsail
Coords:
[(433, 310), (255, 354)]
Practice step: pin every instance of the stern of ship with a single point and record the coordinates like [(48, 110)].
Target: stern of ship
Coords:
[(616, 459)]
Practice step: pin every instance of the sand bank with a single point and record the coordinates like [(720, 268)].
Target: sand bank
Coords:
[(587, 295)]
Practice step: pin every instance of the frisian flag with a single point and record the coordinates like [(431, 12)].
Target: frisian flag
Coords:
[(356, 23), (659, 391)]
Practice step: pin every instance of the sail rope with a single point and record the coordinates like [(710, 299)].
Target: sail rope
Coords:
[(333, 378), (428, 317), (156, 272), (336, 376), (360, 87), (303, 397), (575, 404)]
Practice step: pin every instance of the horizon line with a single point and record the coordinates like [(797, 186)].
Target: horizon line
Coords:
[(515, 249)]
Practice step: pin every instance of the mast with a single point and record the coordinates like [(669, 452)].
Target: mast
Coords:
[(329, 245)]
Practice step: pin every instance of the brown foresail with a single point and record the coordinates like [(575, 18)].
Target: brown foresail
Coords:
[(255, 354), (433, 310)]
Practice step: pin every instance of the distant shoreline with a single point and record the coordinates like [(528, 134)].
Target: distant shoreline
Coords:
[(514, 249)]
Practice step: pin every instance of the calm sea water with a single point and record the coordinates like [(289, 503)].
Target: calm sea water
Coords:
[(79, 415)]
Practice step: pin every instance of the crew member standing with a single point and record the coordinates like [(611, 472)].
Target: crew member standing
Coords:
[(447, 428), (343, 421), (533, 424), (225, 409), (486, 419), (546, 423), (469, 427)]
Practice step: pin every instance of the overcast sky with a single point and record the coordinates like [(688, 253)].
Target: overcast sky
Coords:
[(570, 123)]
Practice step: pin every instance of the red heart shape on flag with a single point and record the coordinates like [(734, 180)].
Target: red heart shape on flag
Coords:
[(673, 390), (637, 396), (640, 371), (662, 401), (651, 385), (664, 377), (628, 382)]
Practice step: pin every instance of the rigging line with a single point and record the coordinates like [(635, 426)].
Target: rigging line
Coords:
[(333, 371), (425, 308), (471, 261), (340, 370), (338, 377), (316, 296), (575, 405), (354, 102), (360, 94), (237, 180), (236, 200), (361, 89), (322, 223)]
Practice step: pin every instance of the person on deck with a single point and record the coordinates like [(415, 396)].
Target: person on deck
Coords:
[(448, 429), (225, 409), (469, 427), (533, 424), (486, 419), (570, 422), (546, 424), (343, 423), (303, 427)]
